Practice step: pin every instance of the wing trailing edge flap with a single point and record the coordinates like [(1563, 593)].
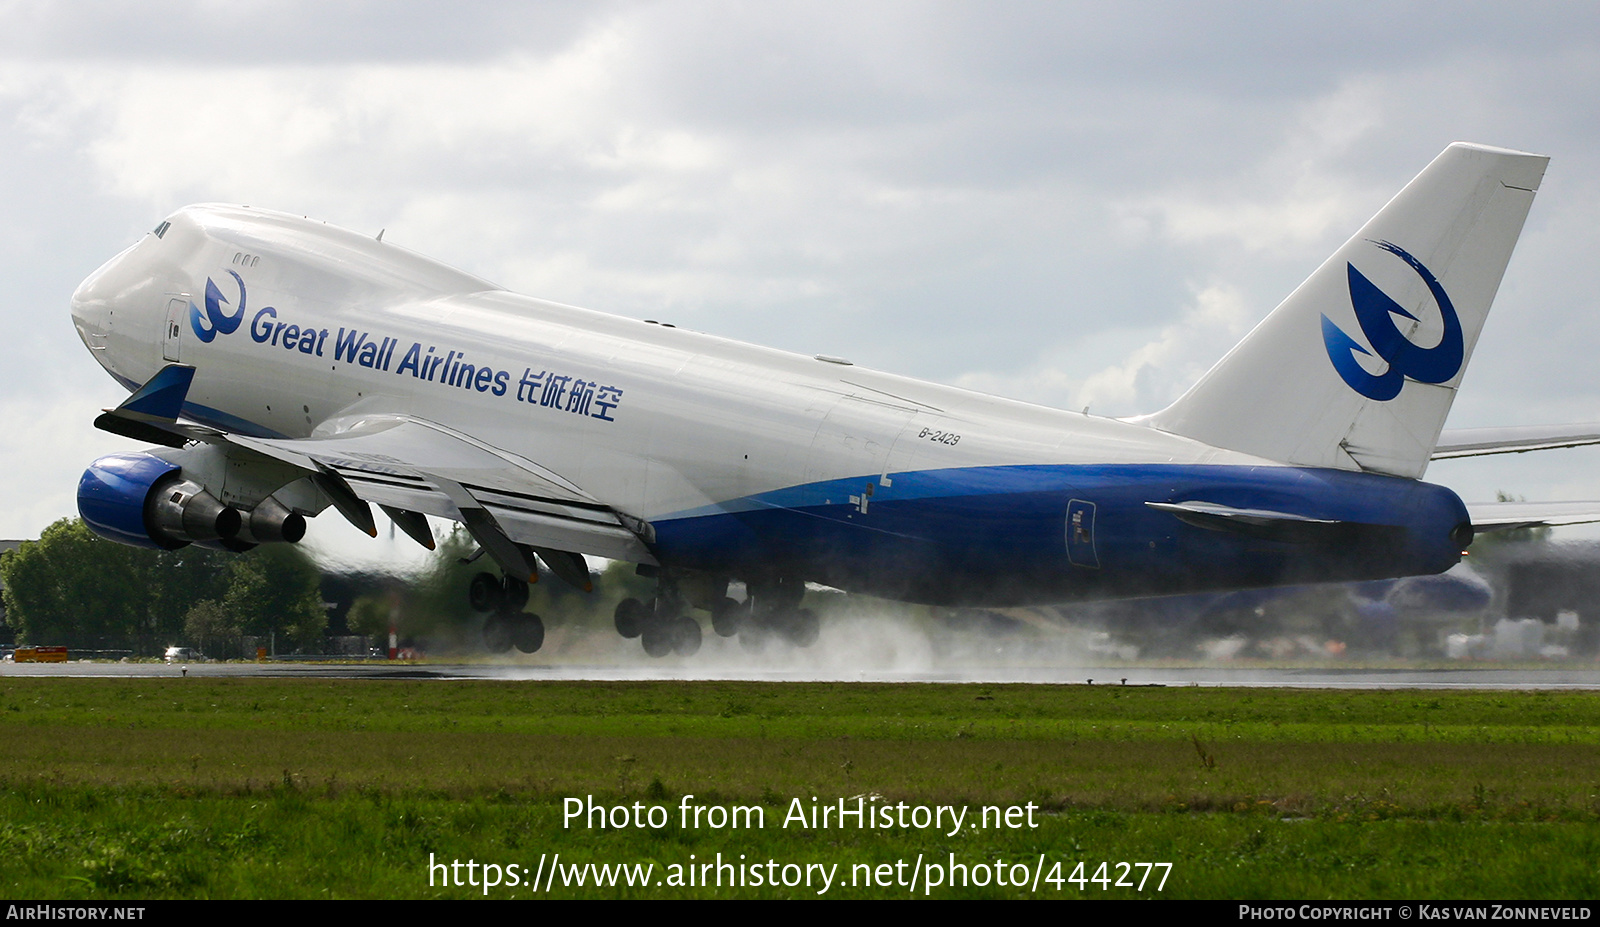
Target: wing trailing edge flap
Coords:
[(505, 501), (402, 465)]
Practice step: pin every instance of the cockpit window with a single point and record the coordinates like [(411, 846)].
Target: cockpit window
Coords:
[(161, 229)]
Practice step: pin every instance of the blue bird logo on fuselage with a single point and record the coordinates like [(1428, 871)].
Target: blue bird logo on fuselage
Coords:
[(221, 323)]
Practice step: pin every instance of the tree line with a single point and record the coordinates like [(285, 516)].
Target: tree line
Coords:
[(74, 588)]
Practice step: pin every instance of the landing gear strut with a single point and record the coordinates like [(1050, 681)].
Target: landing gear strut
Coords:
[(660, 624), (770, 611), (773, 611), (507, 625)]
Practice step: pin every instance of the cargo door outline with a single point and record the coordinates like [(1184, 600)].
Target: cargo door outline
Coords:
[(1080, 534), (175, 317)]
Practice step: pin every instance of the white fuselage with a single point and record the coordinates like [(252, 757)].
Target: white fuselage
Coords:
[(704, 453), (686, 420)]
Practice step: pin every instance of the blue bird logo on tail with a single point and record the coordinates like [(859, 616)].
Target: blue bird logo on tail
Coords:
[(221, 323), (1374, 310)]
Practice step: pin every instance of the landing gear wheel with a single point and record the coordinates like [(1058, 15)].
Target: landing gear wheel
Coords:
[(486, 593), (753, 637), (515, 594), (497, 632), (727, 616), (778, 594), (801, 627), (686, 640), (666, 608), (658, 638), (630, 617), (527, 633)]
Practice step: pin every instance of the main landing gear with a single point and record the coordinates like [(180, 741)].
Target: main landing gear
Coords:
[(507, 625), (772, 613), (769, 613), (660, 624)]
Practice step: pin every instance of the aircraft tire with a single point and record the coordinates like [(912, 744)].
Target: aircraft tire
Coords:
[(779, 594), (497, 633), (527, 633), (727, 616), (666, 609), (802, 627), (658, 638), (753, 637), (515, 594), (485, 593), (630, 618), (686, 640)]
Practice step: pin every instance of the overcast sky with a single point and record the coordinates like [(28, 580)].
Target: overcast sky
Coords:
[(1074, 204)]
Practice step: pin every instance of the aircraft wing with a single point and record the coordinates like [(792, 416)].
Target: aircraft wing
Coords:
[(408, 466), (1516, 439), (1504, 516), (412, 465)]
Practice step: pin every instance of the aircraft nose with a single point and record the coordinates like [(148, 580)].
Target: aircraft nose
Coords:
[(91, 309), (111, 305)]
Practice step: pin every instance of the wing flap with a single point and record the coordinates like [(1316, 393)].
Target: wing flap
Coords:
[(411, 465), (422, 466)]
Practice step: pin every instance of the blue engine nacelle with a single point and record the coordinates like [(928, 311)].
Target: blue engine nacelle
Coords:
[(145, 501)]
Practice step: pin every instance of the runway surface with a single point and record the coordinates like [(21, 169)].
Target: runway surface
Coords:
[(1477, 676)]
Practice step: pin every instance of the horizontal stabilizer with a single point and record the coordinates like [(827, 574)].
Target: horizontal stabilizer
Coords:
[(1515, 439), (1505, 516)]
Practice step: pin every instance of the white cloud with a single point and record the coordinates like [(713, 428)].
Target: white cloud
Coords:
[(1006, 198), (49, 440), (1157, 373), (1149, 376), (1293, 195)]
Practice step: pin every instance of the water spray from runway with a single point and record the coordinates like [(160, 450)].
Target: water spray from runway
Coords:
[(862, 638)]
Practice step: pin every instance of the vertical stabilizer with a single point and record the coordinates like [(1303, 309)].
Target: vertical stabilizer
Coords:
[(1358, 367)]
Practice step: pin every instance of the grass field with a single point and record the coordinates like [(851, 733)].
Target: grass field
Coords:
[(229, 788)]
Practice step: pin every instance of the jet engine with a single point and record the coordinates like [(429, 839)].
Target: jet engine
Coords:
[(142, 500)]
